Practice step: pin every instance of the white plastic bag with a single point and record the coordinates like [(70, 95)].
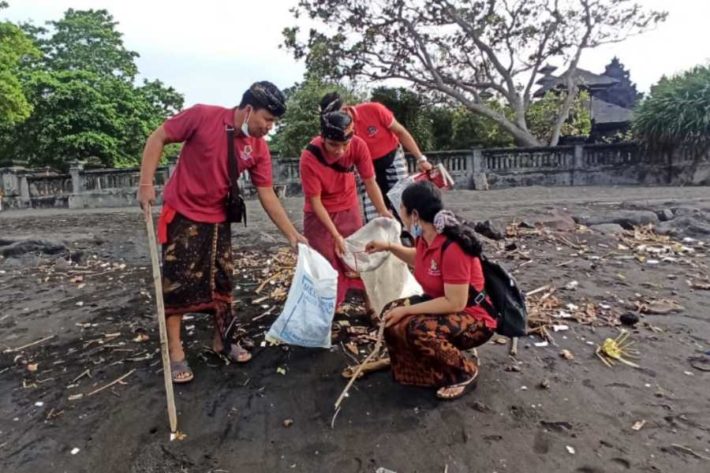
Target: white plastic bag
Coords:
[(386, 277), (395, 193), (308, 314)]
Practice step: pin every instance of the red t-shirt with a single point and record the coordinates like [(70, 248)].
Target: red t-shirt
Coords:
[(199, 185), (372, 123), (336, 189), (456, 268)]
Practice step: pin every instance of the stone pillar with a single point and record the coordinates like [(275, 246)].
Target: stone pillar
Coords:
[(25, 191), (577, 165), (75, 172), (476, 166)]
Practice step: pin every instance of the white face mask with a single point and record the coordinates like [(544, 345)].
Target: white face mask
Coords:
[(245, 125)]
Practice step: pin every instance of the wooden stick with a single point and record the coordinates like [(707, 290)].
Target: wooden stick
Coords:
[(373, 353), (157, 282), (115, 381), (13, 350), (539, 289)]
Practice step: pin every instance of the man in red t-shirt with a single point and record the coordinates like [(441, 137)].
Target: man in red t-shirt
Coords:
[(384, 136), (197, 251)]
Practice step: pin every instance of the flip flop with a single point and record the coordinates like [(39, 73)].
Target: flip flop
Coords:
[(440, 393), (181, 367), (237, 354)]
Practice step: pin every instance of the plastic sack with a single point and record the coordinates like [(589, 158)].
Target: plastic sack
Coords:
[(310, 306), (386, 277), (437, 176)]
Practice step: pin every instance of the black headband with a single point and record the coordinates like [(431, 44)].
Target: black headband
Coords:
[(268, 96), (333, 126)]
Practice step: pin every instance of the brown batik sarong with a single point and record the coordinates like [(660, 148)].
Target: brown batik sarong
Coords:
[(426, 350), (197, 271)]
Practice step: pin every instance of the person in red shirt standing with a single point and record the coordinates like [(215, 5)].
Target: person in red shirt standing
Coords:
[(426, 336), (384, 136), (331, 212), (197, 252)]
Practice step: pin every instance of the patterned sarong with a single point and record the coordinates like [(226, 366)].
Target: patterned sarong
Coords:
[(197, 270), (426, 350), (389, 170)]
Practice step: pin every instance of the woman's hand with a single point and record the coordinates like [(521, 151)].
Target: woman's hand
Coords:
[(386, 214), (376, 246), (339, 242), (394, 316)]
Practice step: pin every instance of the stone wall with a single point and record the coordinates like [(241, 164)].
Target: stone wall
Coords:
[(481, 169)]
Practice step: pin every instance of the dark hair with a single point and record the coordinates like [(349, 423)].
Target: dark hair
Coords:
[(265, 95), (333, 126), (331, 102), (425, 198)]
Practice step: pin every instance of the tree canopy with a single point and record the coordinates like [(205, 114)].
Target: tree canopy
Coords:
[(84, 99), (464, 50), (15, 48), (677, 112)]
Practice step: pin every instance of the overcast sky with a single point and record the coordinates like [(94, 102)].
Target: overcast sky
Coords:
[(211, 50)]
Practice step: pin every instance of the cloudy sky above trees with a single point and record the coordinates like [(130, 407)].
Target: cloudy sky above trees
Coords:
[(211, 50)]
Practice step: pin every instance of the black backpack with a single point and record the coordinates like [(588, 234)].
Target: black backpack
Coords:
[(508, 301)]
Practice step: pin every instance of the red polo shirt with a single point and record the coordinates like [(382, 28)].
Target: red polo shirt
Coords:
[(372, 123), (336, 189), (456, 268), (199, 185)]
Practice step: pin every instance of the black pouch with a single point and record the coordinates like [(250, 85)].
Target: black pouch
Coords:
[(236, 209)]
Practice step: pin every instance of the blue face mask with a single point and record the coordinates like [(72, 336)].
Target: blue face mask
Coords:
[(416, 230)]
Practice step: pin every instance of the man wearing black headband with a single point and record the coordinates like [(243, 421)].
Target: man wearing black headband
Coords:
[(384, 136), (197, 252), (331, 210)]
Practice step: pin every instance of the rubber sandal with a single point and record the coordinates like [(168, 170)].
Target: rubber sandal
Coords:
[(463, 385), (181, 367), (237, 354)]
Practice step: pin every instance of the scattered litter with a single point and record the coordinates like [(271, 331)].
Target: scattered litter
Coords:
[(39, 404), (615, 349), (570, 450), (542, 344), (281, 371), (32, 367), (177, 436), (523, 388), (638, 425), (74, 451), (567, 355), (572, 285), (288, 422), (560, 328)]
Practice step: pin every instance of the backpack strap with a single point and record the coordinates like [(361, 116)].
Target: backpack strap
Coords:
[(316, 151), (474, 297), (233, 168)]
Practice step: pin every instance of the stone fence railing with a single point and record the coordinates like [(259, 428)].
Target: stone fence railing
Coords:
[(598, 164)]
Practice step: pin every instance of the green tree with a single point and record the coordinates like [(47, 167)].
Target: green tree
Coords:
[(301, 123), (409, 109), (677, 112), (15, 47), (465, 49), (86, 104), (543, 114), (88, 40)]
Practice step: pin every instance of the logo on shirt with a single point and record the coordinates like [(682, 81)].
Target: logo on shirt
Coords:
[(371, 130), (434, 269), (246, 154)]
